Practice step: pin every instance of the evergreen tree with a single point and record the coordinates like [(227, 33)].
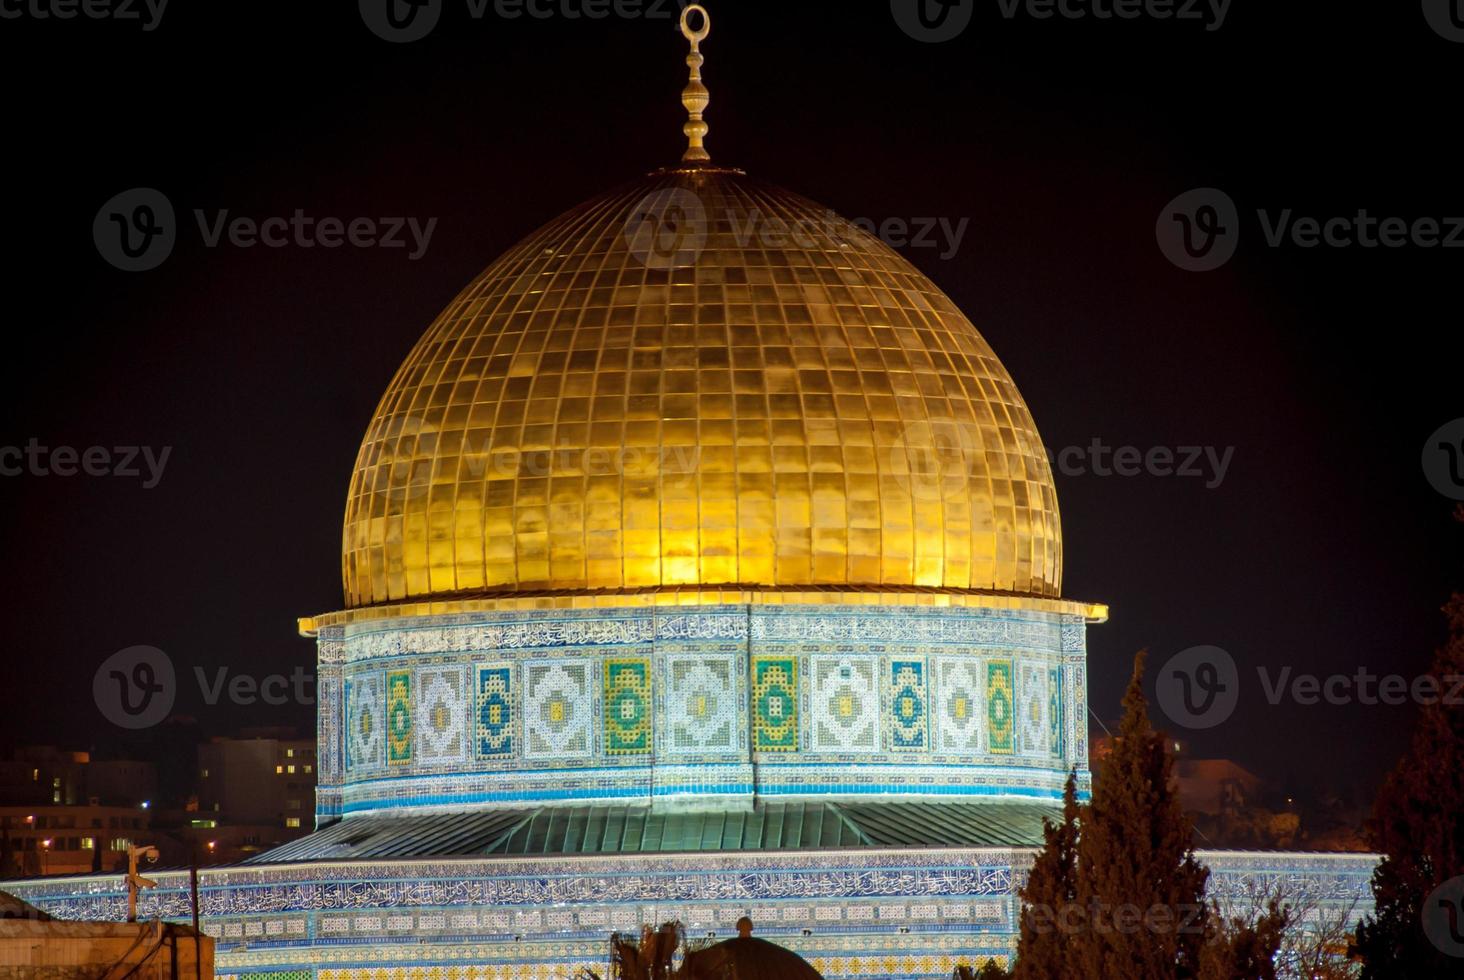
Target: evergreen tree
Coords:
[(1052, 888), (1135, 856), (1418, 825)]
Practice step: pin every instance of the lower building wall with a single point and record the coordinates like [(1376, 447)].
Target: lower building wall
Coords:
[(852, 913), (38, 950)]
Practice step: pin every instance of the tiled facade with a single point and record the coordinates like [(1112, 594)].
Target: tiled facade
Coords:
[(729, 701), (852, 913), (718, 705)]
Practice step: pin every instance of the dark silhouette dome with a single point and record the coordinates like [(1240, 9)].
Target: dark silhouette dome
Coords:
[(750, 959)]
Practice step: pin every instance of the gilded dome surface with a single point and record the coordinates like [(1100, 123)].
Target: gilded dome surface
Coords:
[(696, 381)]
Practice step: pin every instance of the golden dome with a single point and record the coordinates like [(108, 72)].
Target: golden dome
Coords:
[(700, 381)]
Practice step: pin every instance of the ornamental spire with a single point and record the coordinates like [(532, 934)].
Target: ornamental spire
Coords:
[(695, 96)]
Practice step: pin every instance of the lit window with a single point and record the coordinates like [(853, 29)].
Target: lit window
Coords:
[(56, 796), (205, 774), (289, 753), (279, 770), (290, 770), (88, 843), (309, 769), (292, 822)]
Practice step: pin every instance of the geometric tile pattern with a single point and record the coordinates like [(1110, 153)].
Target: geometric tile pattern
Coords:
[(398, 717), (1000, 698), (493, 720), (775, 704), (701, 704), (892, 916), (961, 716), (559, 706), (627, 706), (1032, 707), (442, 713), (366, 713), (844, 712), (909, 714), (1054, 711)]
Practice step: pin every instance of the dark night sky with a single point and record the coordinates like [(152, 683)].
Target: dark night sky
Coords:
[(1324, 549)]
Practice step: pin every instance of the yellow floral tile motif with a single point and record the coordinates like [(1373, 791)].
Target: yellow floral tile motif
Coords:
[(399, 717), (775, 704), (627, 706), (1000, 707)]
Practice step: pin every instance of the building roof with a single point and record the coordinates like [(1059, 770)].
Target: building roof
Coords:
[(641, 829)]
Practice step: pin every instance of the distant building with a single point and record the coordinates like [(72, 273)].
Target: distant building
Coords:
[(265, 777), (43, 774), (60, 840)]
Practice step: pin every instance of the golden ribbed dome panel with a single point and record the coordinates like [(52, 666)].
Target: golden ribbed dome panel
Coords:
[(782, 402)]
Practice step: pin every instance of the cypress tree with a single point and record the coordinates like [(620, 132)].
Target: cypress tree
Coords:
[(1051, 889), (1135, 859), (1418, 825)]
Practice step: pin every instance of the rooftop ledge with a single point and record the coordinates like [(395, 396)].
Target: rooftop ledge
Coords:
[(732, 595)]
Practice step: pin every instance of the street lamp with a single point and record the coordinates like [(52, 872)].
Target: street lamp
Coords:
[(135, 881)]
